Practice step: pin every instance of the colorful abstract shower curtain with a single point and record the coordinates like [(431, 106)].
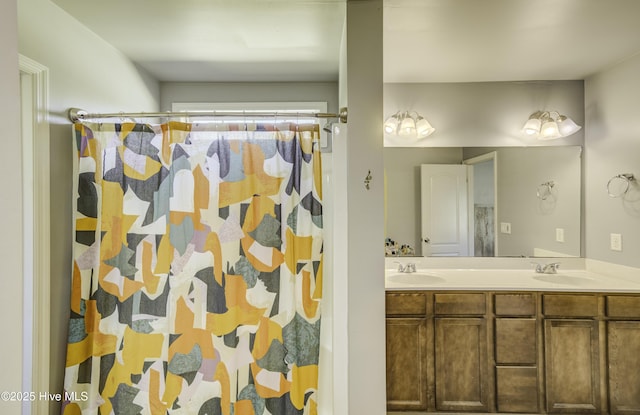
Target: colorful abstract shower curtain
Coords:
[(197, 273)]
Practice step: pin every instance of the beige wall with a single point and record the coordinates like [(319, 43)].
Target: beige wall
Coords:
[(10, 209), (612, 135)]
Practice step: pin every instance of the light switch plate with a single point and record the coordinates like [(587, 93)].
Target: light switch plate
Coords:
[(559, 235), (616, 242), (505, 227)]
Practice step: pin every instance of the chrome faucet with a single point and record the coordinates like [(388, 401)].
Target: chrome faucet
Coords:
[(410, 267), (550, 268)]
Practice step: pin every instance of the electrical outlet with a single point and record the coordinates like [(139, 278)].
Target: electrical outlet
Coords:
[(559, 235), (505, 227), (616, 242)]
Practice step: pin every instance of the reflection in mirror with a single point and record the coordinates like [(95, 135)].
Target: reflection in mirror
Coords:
[(497, 212)]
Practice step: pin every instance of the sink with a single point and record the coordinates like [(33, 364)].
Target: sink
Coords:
[(415, 278), (564, 279)]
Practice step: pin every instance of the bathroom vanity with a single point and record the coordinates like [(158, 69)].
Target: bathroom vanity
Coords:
[(568, 347)]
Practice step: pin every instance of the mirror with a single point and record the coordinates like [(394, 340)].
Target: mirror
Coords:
[(516, 201)]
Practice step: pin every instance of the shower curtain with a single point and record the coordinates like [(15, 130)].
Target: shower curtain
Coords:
[(197, 273)]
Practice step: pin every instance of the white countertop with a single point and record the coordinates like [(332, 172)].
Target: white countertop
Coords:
[(521, 277)]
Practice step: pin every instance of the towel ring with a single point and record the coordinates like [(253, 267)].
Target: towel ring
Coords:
[(623, 181), (544, 190)]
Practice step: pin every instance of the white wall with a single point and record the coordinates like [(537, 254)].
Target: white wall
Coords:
[(612, 101), (486, 113), (84, 72), (10, 210), (171, 92)]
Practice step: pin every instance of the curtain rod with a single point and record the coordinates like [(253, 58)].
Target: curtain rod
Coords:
[(77, 114)]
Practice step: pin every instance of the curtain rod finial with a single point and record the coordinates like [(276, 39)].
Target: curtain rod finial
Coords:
[(76, 114), (342, 115)]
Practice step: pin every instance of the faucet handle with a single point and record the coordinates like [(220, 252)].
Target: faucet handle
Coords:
[(538, 266), (401, 268)]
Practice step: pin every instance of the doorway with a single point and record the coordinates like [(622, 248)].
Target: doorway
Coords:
[(35, 160), (483, 206)]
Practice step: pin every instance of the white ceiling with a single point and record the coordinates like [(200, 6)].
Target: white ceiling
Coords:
[(506, 40), (221, 40), (424, 40)]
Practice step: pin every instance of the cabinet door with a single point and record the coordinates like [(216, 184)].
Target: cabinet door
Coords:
[(571, 363), (462, 365), (406, 364), (624, 366)]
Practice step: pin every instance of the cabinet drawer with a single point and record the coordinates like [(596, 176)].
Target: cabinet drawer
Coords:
[(515, 304), (517, 389), (460, 304), (516, 341), (570, 305), (406, 304), (623, 306)]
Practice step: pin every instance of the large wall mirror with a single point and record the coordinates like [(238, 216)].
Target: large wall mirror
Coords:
[(485, 201)]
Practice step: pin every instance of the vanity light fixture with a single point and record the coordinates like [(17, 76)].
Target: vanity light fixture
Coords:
[(408, 124), (548, 125)]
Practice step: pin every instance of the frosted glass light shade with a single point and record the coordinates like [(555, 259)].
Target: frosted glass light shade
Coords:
[(407, 126), (391, 124), (423, 128), (566, 126), (549, 130), (532, 126)]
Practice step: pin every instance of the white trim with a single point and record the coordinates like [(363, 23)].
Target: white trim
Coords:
[(37, 243)]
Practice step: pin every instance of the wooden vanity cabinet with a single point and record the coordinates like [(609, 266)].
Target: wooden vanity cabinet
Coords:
[(406, 351), (513, 352), (623, 353)]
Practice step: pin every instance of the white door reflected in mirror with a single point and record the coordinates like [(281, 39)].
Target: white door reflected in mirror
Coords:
[(444, 210)]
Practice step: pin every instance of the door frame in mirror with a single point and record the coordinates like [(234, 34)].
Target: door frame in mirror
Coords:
[(493, 155)]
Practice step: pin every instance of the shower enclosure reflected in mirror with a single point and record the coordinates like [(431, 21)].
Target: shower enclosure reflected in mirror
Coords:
[(493, 210)]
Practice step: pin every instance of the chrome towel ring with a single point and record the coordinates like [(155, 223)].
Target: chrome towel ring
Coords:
[(544, 190), (619, 184)]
